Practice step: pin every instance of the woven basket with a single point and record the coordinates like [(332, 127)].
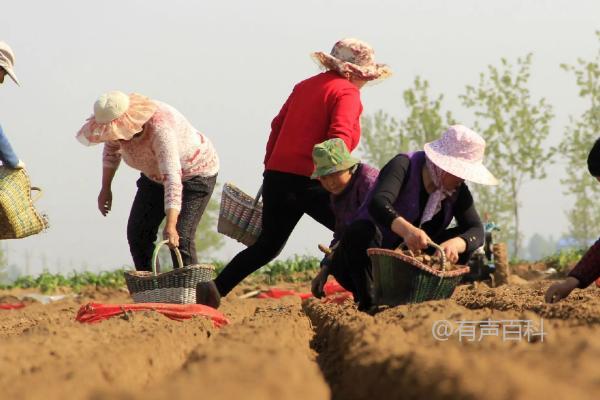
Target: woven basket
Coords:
[(18, 216), (177, 286), (400, 279), (240, 216)]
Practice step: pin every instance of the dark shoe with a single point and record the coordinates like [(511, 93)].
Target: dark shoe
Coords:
[(208, 294)]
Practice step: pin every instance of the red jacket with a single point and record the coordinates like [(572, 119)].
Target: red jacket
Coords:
[(319, 108)]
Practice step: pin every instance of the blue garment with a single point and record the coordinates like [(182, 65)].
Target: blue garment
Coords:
[(7, 154)]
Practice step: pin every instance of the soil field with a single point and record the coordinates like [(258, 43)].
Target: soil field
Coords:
[(288, 349)]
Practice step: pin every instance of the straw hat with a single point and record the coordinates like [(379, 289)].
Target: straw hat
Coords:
[(355, 58), (117, 116), (7, 61), (332, 156), (460, 152)]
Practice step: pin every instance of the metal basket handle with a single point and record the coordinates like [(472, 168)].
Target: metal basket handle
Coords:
[(155, 256), (256, 200), (38, 195), (258, 195)]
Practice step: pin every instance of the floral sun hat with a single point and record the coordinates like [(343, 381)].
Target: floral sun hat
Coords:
[(332, 156), (355, 58), (117, 116), (460, 152), (7, 61)]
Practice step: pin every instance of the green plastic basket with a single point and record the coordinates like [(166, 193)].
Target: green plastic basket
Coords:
[(400, 279)]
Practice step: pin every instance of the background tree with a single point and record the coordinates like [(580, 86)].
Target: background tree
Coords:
[(584, 216), (515, 128), (540, 247), (383, 136)]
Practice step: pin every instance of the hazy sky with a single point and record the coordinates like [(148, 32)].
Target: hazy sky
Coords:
[(228, 66)]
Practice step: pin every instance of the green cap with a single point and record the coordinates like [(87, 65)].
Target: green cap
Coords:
[(332, 156)]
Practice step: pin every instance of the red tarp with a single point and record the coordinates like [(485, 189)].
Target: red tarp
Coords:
[(96, 312), (334, 293), (11, 306)]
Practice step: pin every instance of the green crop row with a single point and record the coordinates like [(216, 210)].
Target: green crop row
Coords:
[(294, 269)]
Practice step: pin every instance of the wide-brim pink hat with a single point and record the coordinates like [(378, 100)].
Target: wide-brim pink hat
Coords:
[(460, 152), (354, 58), (117, 116)]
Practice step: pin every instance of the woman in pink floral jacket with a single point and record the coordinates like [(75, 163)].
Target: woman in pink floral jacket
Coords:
[(178, 165)]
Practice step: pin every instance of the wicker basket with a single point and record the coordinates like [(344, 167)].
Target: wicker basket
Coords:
[(177, 286), (400, 279), (240, 216), (18, 216)]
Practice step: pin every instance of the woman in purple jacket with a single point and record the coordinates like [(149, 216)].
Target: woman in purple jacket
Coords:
[(415, 198), (348, 181)]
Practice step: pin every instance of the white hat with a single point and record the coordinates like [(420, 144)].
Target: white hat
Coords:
[(460, 152), (117, 116), (7, 61)]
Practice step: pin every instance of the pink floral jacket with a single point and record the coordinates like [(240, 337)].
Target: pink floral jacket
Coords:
[(169, 151)]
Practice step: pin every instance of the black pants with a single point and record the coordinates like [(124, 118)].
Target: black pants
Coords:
[(286, 197), (351, 265), (147, 213)]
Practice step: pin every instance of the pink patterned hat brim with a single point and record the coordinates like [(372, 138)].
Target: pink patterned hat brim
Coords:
[(140, 110), (472, 171), (367, 72)]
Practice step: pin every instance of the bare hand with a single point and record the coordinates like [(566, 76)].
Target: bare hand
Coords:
[(20, 165), (318, 283), (105, 201), (561, 290), (170, 233), (453, 248), (416, 239)]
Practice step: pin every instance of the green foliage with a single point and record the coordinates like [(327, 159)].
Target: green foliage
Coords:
[(584, 216), (48, 282), (291, 270), (515, 128), (565, 259), (383, 136), (295, 269), (208, 239)]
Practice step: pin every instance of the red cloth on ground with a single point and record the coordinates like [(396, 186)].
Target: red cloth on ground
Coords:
[(334, 293), (11, 306), (322, 107), (96, 312)]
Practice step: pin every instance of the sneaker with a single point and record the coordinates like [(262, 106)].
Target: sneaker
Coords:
[(208, 294)]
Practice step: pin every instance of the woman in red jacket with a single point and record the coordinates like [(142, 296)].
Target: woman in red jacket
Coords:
[(322, 107)]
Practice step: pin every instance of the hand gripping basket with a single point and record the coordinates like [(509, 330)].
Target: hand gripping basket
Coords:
[(18, 216), (176, 287), (240, 216), (400, 279)]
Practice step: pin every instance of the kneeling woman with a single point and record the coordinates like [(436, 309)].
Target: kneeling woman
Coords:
[(178, 167), (415, 198)]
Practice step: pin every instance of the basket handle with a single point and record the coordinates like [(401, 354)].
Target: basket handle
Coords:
[(38, 195), (258, 196), (430, 243), (256, 200), (155, 256)]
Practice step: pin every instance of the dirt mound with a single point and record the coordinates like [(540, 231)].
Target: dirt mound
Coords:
[(273, 349), (394, 355), (581, 305)]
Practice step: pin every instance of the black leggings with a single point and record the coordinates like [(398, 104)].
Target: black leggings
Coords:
[(147, 213), (351, 265), (286, 197)]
